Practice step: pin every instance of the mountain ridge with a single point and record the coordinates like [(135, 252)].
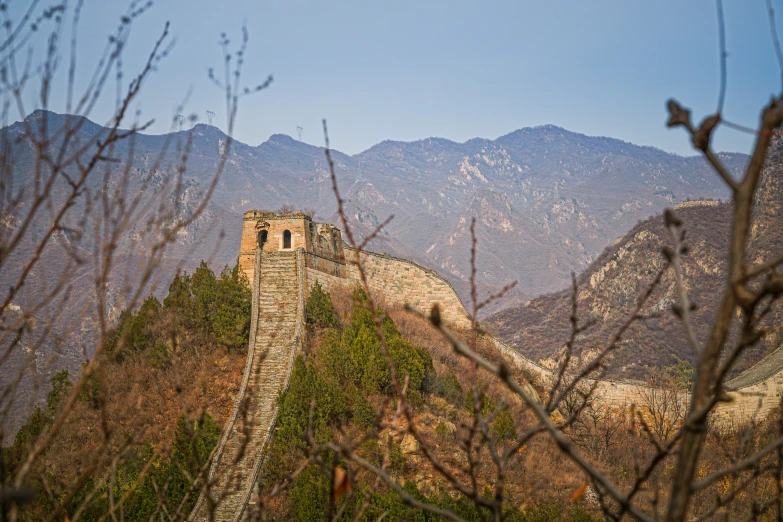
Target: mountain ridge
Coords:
[(277, 135), (546, 203)]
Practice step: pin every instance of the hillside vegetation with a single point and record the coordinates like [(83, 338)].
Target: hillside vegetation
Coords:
[(168, 386), (346, 379), (153, 413)]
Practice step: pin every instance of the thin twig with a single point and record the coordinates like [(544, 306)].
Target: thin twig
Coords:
[(775, 38), (723, 55)]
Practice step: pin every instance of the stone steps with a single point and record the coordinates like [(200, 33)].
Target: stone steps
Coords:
[(236, 464)]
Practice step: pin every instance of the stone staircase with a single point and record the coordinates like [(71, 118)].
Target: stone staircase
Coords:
[(277, 325)]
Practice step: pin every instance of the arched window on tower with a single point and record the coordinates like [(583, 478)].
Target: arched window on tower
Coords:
[(286, 239), (262, 237)]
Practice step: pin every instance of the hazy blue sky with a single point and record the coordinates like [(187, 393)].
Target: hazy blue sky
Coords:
[(407, 70)]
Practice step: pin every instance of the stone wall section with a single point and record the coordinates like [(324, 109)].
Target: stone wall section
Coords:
[(397, 281), (328, 282), (753, 402), (276, 338), (401, 282), (326, 265), (697, 203), (754, 393)]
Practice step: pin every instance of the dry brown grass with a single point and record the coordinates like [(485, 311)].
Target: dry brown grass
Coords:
[(141, 399)]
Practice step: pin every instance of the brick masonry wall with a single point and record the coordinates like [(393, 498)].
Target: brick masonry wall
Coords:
[(751, 402), (325, 265)]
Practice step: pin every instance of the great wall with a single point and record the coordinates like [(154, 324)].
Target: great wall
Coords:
[(284, 256)]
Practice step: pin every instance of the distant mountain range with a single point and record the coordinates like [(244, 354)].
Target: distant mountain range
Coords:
[(609, 288), (547, 201)]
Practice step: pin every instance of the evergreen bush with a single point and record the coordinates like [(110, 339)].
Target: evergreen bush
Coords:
[(319, 310)]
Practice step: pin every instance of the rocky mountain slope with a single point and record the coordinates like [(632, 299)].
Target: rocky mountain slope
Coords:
[(609, 287)]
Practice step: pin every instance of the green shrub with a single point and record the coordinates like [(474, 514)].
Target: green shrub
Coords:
[(158, 356), (487, 403), (442, 431), (61, 385), (390, 506), (396, 457), (133, 332), (450, 389), (203, 291), (371, 450), (91, 391), (319, 310), (219, 307), (230, 318), (503, 426), (681, 374), (308, 384), (361, 358), (362, 412), (309, 495), (479, 330), (215, 308), (41, 418)]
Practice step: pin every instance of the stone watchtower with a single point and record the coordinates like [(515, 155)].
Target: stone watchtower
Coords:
[(286, 233)]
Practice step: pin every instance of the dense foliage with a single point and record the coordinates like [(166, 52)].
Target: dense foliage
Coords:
[(319, 310), (343, 373), (143, 472), (339, 377), (141, 475), (215, 308), (39, 421), (138, 475)]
